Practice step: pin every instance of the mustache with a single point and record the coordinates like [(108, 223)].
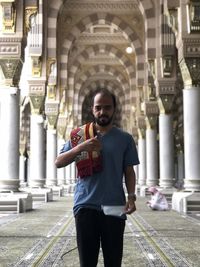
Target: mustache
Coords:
[(103, 116)]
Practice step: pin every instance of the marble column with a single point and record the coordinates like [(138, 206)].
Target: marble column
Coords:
[(142, 158), (180, 170), (22, 170), (166, 150), (9, 138), (151, 157), (191, 109), (51, 151), (60, 171), (67, 174), (37, 152)]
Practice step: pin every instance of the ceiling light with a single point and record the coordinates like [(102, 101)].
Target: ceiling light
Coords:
[(129, 50)]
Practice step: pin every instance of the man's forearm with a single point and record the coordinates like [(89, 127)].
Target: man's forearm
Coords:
[(66, 158)]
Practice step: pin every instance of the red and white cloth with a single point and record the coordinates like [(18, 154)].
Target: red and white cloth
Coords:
[(87, 162)]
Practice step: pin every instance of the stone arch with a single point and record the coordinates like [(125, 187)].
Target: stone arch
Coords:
[(92, 19), (147, 9)]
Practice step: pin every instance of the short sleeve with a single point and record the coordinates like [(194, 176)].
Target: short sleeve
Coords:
[(66, 147), (131, 155)]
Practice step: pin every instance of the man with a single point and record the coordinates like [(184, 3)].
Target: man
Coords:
[(100, 205), (158, 200)]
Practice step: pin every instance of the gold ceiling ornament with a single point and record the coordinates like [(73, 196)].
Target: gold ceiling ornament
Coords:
[(51, 92), (8, 16), (36, 66), (30, 14), (51, 71), (193, 16)]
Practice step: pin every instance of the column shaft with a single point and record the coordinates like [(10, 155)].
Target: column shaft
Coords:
[(37, 163), (51, 151), (166, 150), (9, 138), (152, 157), (191, 107), (142, 158)]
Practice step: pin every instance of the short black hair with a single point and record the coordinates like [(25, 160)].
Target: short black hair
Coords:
[(104, 92)]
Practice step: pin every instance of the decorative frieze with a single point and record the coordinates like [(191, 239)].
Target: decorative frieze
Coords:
[(103, 6), (151, 108), (167, 87)]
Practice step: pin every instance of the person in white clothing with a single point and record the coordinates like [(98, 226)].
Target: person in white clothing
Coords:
[(158, 200)]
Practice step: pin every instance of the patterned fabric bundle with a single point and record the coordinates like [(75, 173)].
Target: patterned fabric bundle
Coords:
[(87, 162)]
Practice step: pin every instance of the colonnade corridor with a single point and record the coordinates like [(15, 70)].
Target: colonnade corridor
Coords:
[(45, 236)]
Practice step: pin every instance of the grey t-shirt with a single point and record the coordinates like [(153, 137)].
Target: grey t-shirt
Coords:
[(106, 187)]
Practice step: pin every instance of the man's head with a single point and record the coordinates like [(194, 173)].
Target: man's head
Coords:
[(103, 107)]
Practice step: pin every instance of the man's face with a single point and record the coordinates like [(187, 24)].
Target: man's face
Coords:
[(103, 110)]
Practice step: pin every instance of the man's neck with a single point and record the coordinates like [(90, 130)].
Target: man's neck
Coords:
[(103, 130)]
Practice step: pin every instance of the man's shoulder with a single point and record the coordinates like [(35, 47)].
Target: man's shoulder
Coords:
[(122, 132)]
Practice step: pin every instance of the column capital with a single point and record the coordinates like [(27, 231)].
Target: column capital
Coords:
[(11, 59), (141, 122), (36, 95), (151, 111), (62, 125), (51, 111)]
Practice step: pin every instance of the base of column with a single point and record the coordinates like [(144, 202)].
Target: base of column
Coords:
[(61, 182), (192, 184), (16, 202), (166, 183), (9, 185), (51, 182), (36, 183), (186, 202), (152, 182)]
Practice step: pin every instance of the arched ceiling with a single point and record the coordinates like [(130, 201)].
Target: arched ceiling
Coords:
[(92, 37)]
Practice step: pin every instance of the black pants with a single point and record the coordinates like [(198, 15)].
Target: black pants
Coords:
[(94, 228)]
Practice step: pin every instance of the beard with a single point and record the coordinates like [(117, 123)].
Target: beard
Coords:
[(103, 120)]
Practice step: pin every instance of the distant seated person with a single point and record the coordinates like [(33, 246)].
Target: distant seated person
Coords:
[(158, 200)]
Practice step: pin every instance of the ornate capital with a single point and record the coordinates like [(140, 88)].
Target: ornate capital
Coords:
[(141, 122), (165, 103), (190, 69), (151, 111), (36, 95), (11, 58), (11, 70), (51, 111), (61, 125)]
